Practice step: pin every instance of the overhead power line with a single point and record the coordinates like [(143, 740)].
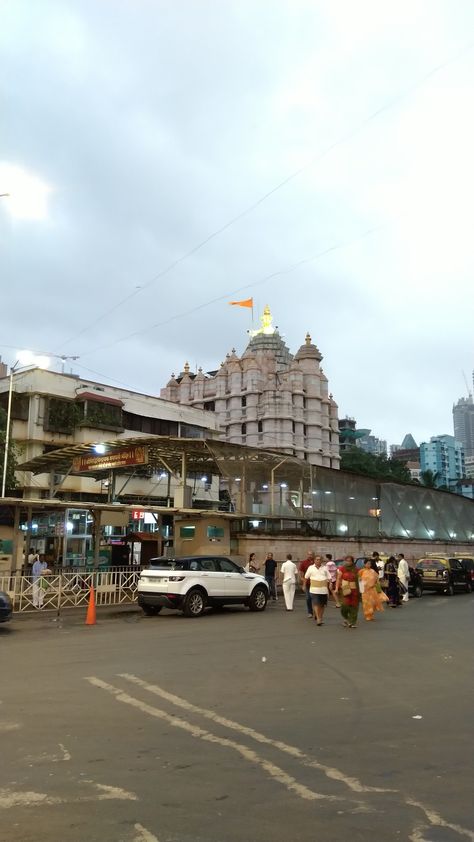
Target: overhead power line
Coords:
[(225, 296), (248, 210)]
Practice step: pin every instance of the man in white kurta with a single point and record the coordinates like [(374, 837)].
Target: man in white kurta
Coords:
[(403, 574), (288, 573)]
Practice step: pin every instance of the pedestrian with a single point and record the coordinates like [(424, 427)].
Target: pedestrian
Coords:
[(309, 560), (253, 565), (373, 598), (347, 585), (391, 575), (403, 575), (288, 572), (319, 580), (377, 561), (38, 571), (332, 568), (270, 571)]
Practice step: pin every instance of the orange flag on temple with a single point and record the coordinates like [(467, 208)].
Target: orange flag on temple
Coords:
[(248, 302)]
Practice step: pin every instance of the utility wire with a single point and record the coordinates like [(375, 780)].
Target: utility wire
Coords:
[(278, 274), (344, 139)]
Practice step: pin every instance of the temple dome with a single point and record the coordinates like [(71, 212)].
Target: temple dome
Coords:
[(308, 351)]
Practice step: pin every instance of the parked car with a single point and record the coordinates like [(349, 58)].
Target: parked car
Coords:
[(443, 574), (415, 585), (6, 608), (467, 562), (192, 583)]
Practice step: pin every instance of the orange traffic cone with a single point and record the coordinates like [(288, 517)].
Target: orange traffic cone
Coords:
[(91, 613)]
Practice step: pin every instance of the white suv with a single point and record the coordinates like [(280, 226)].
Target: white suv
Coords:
[(191, 583)]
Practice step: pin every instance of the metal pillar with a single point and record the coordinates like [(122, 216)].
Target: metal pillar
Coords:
[(96, 536), (16, 536)]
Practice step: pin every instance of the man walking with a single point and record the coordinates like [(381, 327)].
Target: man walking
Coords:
[(309, 560), (403, 575), (288, 578), (319, 580), (270, 570)]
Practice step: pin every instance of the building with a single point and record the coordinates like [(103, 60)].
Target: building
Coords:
[(267, 397), (371, 444), (469, 467), (408, 452), (348, 434), (51, 410), (444, 456), (463, 422)]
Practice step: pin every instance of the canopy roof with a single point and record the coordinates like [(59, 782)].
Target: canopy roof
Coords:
[(202, 455)]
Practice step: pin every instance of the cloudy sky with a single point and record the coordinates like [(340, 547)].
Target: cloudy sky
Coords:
[(134, 129)]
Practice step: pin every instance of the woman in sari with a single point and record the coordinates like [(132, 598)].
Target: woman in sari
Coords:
[(373, 597), (347, 585)]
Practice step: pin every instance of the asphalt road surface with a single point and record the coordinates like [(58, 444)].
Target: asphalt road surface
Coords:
[(239, 726)]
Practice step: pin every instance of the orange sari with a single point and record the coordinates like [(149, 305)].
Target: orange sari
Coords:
[(372, 599)]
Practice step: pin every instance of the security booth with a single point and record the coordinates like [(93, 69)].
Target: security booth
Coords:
[(203, 534)]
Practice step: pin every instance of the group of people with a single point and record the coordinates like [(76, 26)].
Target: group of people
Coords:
[(375, 585)]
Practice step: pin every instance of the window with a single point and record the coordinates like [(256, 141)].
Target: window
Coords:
[(227, 566), (215, 531), (293, 426), (210, 406), (62, 416), (190, 431), (305, 430), (244, 429), (145, 424), (187, 532), (244, 401), (260, 426), (208, 564)]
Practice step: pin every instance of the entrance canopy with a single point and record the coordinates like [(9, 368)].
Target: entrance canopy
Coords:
[(210, 456)]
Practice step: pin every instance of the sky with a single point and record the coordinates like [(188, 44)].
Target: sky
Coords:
[(134, 130)]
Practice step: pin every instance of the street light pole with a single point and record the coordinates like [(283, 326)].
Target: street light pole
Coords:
[(7, 432)]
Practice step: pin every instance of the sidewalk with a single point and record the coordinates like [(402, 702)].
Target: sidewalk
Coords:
[(72, 616)]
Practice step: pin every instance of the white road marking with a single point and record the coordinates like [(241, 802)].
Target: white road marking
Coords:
[(434, 818), (66, 753), (9, 726), (115, 793), (270, 768), (10, 798), (334, 774), (437, 821), (144, 835)]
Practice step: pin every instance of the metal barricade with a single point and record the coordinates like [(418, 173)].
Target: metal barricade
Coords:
[(69, 590)]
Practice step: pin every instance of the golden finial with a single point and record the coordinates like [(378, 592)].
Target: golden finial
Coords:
[(308, 339)]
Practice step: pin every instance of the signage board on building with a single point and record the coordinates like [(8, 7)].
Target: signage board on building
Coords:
[(135, 455)]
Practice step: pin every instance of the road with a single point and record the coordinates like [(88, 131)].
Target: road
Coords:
[(239, 726)]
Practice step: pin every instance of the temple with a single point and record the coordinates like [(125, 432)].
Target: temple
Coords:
[(267, 397)]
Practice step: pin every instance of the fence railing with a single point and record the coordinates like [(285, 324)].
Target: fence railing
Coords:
[(69, 590)]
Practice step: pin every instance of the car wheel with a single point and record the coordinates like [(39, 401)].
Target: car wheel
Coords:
[(151, 610), (418, 591), (450, 590), (258, 599), (195, 603)]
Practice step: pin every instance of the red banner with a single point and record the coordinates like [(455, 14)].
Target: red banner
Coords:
[(136, 455)]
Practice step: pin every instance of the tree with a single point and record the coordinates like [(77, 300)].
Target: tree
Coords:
[(430, 479), (11, 482), (357, 461)]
